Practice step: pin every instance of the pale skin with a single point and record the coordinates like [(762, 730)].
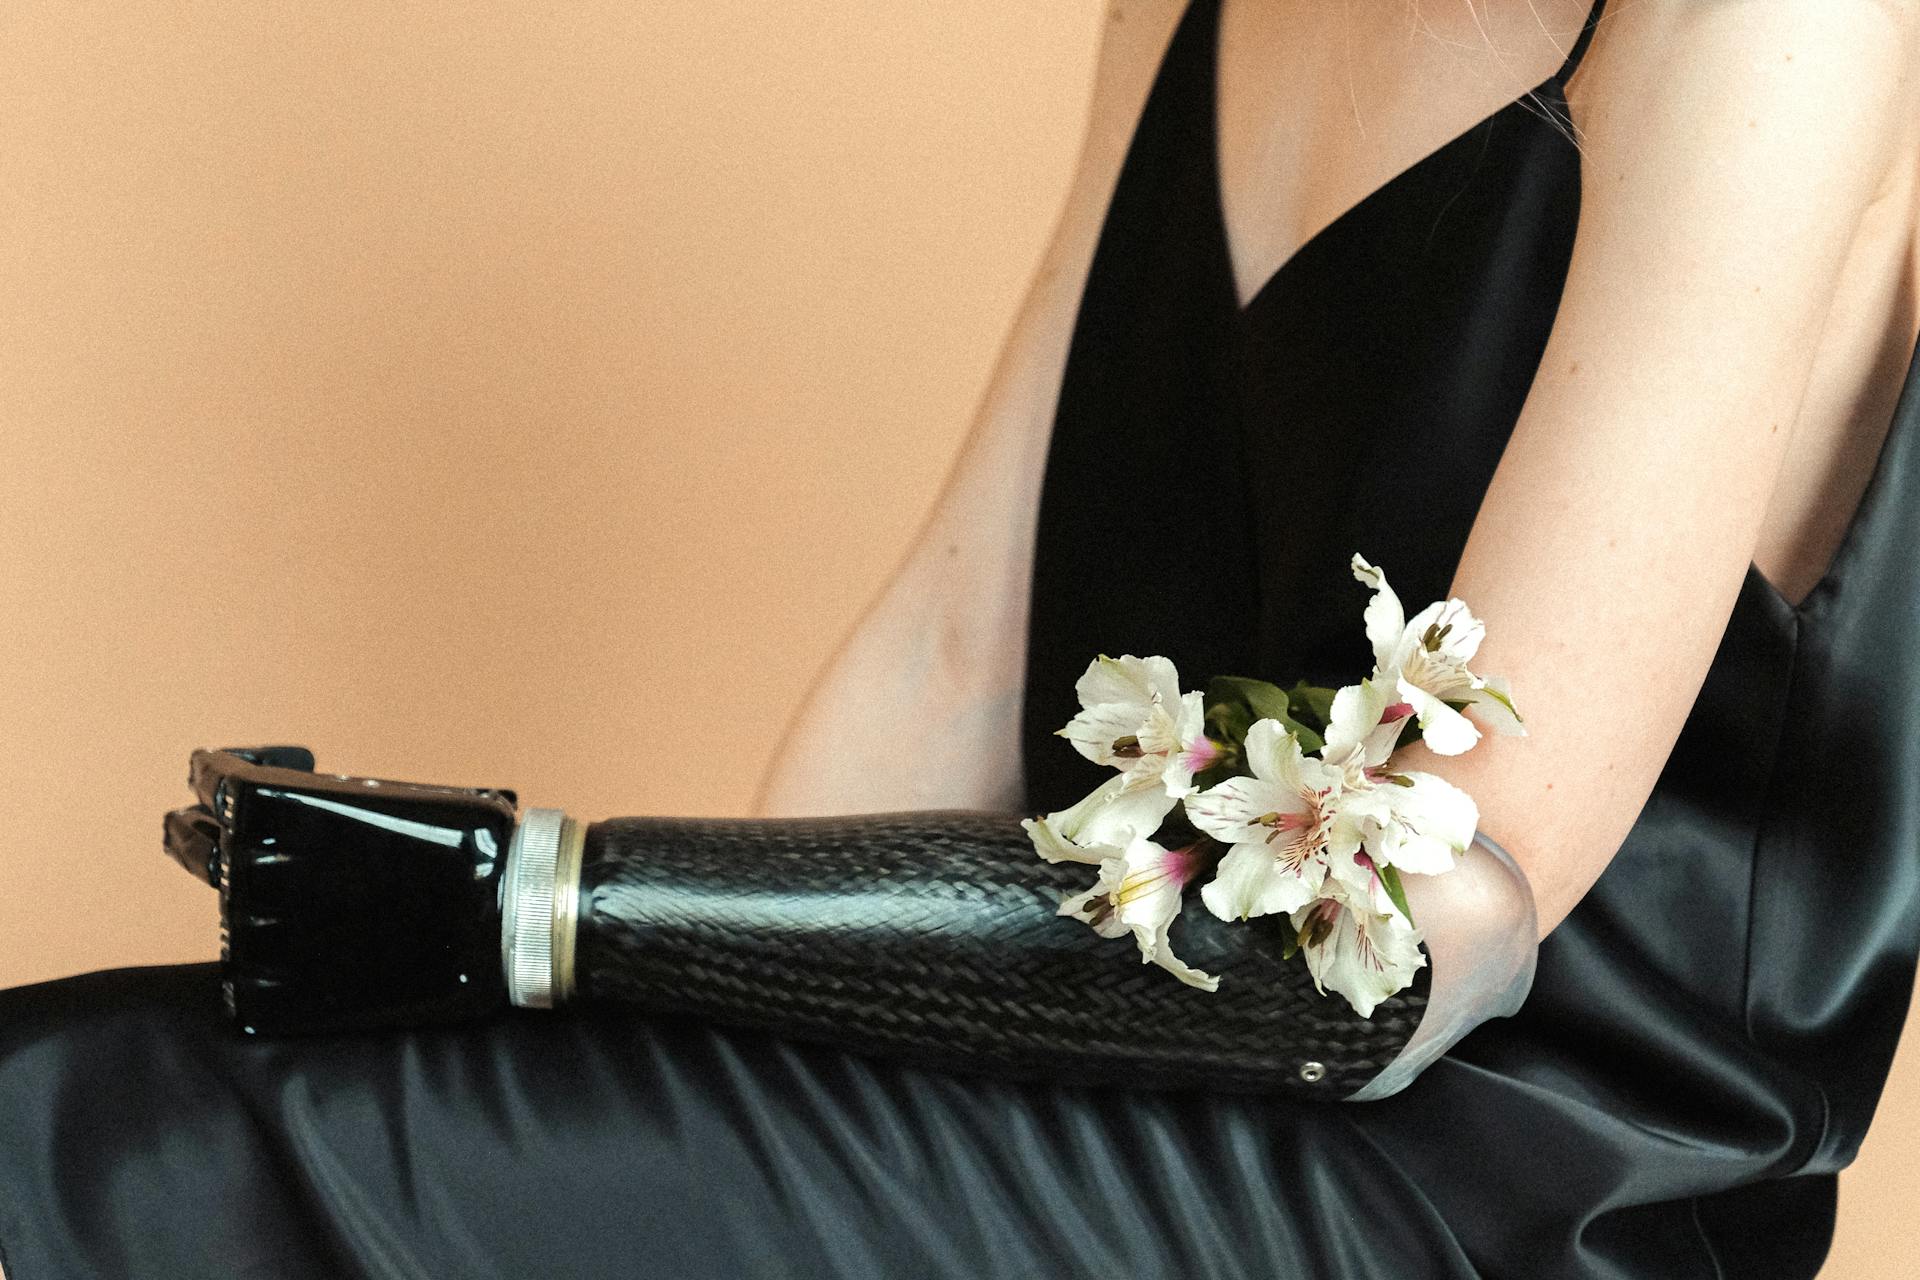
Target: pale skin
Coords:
[(1743, 295)]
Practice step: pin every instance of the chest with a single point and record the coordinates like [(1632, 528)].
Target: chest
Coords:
[(1317, 107)]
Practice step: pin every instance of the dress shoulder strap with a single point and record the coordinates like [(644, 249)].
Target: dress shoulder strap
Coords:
[(1580, 43)]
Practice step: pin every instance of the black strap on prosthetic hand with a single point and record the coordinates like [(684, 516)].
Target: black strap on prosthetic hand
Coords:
[(929, 935), (932, 935)]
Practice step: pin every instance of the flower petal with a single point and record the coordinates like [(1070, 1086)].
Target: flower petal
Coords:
[(1385, 619), (1461, 632), (1054, 847), (1110, 680), (1093, 731), (1133, 811), (1227, 811), (1363, 952), (1095, 905), (1127, 679), (1165, 737), (1356, 814), (1274, 756), (1492, 701), (1162, 679), (1113, 813), (1432, 821), (1148, 894), (1445, 731), (1164, 957), (1250, 882), (1355, 721), (1140, 892)]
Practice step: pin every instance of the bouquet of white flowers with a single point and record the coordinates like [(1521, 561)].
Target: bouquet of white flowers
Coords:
[(1291, 797)]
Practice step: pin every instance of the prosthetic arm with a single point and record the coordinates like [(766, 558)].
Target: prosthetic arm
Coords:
[(927, 935)]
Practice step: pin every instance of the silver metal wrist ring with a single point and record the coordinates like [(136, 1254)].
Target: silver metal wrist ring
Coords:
[(539, 908)]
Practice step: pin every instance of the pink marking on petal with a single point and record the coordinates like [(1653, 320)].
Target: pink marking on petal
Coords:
[(1201, 754), (1186, 862), (1396, 711)]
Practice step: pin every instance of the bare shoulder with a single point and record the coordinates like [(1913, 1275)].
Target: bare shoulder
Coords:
[(1134, 35), (1653, 62), (1133, 40)]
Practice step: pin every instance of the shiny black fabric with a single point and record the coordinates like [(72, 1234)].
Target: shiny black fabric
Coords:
[(1704, 1046), (1709, 1030)]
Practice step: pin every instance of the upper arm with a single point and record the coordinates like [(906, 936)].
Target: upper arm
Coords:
[(1729, 152), (971, 563), (920, 704)]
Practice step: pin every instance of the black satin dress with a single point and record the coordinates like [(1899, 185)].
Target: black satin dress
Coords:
[(1703, 1048)]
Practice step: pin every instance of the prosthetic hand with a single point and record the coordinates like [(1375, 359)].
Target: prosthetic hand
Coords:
[(928, 935)]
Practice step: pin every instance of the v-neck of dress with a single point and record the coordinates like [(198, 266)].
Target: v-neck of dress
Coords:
[(1885, 477), (1550, 89)]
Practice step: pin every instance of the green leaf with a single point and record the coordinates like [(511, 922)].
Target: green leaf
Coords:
[(1263, 699), (1312, 703), (1292, 945), (1232, 721), (1259, 700), (1390, 877)]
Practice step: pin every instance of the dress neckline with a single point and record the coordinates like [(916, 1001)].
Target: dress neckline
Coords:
[(1885, 475), (1550, 90)]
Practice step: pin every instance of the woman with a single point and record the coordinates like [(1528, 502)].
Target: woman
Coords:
[(1506, 368), (1626, 400)]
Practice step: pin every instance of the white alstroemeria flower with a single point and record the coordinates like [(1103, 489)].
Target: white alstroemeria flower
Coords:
[(1409, 819), (1427, 658), (1357, 942), (1427, 820), (1363, 727), (1277, 821), (1135, 718), (1139, 891)]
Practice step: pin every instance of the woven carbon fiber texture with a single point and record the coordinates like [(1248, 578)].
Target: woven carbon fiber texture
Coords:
[(931, 935)]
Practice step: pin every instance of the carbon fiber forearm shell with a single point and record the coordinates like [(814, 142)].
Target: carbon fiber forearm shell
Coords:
[(932, 935)]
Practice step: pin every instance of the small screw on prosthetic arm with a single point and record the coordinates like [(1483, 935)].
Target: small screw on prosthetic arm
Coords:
[(927, 935)]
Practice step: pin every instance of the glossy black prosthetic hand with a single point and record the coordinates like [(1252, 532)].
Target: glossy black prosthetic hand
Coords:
[(346, 902), (928, 935)]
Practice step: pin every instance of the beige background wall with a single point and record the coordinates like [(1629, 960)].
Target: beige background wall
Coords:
[(522, 395)]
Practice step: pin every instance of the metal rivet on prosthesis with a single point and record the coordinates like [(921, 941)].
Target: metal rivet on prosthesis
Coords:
[(1311, 1071)]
